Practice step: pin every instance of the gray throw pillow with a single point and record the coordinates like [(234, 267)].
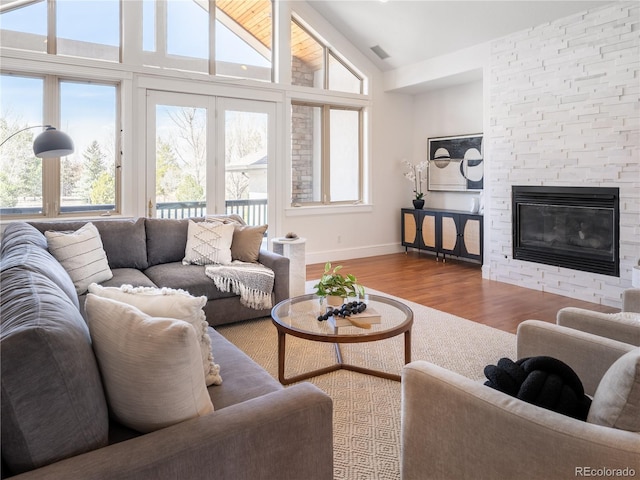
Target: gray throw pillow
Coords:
[(616, 402)]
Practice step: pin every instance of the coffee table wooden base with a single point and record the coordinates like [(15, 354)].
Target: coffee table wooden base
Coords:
[(339, 365)]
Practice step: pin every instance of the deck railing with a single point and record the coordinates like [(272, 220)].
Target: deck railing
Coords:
[(254, 212)]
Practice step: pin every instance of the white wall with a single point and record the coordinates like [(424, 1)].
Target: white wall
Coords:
[(450, 111), (350, 232), (339, 233)]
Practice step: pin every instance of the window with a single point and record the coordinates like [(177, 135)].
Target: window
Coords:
[(20, 171), (243, 36), (88, 29), (24, 26), (313, 64), (88, 176), (326, 153), (83, 29), (192, 41), (85, 181), (181, 157), (307, 58)]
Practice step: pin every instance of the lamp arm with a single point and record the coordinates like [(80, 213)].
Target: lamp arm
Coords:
[(22, 130)]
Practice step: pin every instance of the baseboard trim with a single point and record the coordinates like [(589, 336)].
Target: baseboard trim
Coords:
[(355, 252)]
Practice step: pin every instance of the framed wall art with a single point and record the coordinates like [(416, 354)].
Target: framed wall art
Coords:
[(456, 164)]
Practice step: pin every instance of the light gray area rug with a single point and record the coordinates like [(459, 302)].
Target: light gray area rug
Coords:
[(366, 409)]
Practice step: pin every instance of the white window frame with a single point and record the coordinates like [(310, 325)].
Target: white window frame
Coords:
[(327, 52), (325, 158), (51, 167)]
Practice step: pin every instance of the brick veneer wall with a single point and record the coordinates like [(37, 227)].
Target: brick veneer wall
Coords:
[(301, 137), (564, 111)]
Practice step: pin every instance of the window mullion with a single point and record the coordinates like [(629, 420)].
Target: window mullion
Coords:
[(326, 158), (161, 27), (51, 166), (325, 62), (360, 155), (52, 34), (212, 37)]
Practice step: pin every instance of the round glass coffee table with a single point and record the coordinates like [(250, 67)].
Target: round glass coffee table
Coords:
[(298, 316)]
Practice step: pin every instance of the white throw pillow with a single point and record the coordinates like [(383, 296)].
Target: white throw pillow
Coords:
[(208, 243), (81, 254), (616, 402), (226, 218), (151, 367), (171, 303)]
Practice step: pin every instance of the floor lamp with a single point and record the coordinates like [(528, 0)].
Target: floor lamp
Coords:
[(49, 144)]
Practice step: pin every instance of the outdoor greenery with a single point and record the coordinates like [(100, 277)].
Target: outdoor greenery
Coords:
[(89, 180), (88, 177)]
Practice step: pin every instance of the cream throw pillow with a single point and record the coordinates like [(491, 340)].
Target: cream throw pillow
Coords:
[(81, 254), (208, 243), (226, 218), (616, 402), (151, 367), (171, 303)]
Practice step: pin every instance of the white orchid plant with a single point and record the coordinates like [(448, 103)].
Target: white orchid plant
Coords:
[(417, 175)]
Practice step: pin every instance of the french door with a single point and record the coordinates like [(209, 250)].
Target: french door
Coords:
[(209, 155)]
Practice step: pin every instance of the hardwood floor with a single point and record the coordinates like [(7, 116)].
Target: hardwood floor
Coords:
[(455, 287)]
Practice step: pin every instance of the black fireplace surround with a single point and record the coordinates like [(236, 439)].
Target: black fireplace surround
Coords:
[(571, 227)]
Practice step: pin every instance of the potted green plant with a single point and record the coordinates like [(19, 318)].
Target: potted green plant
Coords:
[(335, 287)]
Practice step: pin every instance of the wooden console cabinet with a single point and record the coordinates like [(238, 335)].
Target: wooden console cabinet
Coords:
[(444, 232)]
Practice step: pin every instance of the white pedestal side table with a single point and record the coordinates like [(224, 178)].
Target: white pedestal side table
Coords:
[(294, 250)]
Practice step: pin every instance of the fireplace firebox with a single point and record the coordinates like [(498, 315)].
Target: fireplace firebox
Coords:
[(571, 227)]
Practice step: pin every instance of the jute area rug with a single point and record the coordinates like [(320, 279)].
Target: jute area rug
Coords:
[(366, 409)]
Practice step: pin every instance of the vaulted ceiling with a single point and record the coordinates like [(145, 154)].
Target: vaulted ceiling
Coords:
[(411, 31)]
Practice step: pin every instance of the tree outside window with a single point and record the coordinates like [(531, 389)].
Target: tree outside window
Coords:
[(88, 177)]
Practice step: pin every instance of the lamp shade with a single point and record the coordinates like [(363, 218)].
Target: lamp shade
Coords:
[(52, 143)]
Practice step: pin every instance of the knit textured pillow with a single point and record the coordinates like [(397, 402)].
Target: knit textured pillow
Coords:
[(171, 303), (81, 254), (208, 243)]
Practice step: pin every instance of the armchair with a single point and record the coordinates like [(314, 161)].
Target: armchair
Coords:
[(623, 326), (454, 427)]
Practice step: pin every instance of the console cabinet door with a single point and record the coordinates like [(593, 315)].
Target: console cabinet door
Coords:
[(419, 229), (461, 235), (450, 228), (429, 231), (410, 221), (471, 236)]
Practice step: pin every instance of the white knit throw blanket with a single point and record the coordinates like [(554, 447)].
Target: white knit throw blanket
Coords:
[(252, 281)]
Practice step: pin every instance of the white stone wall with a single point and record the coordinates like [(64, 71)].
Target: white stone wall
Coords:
[(565, 111)]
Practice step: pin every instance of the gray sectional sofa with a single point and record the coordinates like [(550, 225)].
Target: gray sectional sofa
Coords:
[(56, 422), (148, 252)]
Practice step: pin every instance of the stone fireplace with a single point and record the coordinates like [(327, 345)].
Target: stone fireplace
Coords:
[(557, 117), (571, 227)]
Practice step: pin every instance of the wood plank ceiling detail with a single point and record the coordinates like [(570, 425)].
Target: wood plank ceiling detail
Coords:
[(255, 17)]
